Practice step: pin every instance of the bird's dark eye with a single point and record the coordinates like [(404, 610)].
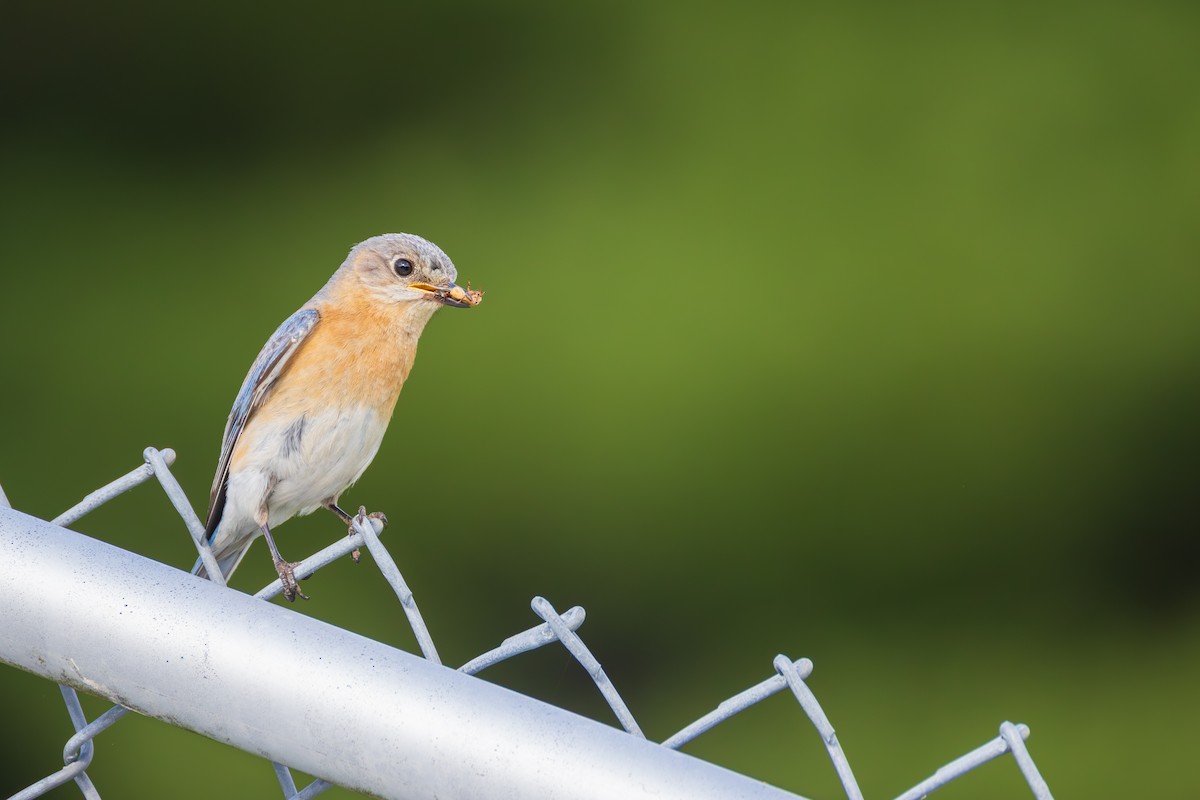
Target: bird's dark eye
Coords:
[(403, 267)]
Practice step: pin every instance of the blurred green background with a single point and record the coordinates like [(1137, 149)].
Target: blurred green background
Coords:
[(862, 332)]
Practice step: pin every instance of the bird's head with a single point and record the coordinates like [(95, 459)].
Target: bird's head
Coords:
[(405, 269)]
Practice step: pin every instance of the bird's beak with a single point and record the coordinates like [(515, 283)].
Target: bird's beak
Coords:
[(450, 294)]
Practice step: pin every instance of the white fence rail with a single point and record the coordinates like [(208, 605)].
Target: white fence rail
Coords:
[(350, 710)]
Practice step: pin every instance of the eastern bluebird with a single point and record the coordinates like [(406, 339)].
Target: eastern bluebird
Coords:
[(311, 412)]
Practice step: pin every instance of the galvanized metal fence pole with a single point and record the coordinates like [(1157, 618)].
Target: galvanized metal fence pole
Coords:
[(301, 692), (205, 680)]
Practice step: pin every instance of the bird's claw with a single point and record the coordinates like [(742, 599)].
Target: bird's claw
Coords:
[(287, 576), (364, 518)]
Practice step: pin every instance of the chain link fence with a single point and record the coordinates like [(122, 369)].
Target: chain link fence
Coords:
[(542, 730)]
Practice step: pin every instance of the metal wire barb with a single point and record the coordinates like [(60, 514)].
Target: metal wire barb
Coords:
[(678, 778)]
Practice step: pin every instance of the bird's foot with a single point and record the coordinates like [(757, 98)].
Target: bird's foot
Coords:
[(364, 518), (287, 576)]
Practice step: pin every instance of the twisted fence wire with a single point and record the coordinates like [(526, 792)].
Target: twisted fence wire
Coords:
[(365, 531)]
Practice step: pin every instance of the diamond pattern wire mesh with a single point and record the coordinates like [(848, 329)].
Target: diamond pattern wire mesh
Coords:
[(555, 627)]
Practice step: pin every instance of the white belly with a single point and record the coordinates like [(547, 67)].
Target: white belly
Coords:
[(302, 471)]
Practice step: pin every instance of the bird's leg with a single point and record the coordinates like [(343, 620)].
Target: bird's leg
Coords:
[(286, 570), (346, 518), (332, 505)]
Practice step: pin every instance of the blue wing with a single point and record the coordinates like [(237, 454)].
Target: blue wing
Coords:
[(270, 363)]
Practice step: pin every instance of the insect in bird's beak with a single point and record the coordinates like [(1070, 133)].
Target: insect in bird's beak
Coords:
[(452, 295)]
